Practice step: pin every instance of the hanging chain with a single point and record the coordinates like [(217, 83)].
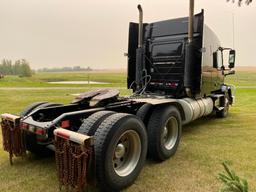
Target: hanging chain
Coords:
[(13, 141), (72, 161)]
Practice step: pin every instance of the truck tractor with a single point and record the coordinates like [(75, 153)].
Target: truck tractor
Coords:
[(176, 72)]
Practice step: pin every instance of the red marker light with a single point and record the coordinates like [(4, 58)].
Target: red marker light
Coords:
[(65, 124), (40, 131)]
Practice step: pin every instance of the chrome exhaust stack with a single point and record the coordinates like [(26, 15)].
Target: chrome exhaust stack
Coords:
[(191, 21), (188, 73), (140, 37), (140, 63)]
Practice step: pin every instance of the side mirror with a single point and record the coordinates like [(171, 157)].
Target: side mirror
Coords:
[(232, 59), (215, 60)]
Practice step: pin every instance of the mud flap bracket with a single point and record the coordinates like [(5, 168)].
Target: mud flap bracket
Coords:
[(73, 153)]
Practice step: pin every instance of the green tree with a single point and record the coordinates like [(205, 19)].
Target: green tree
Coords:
[(247, 2), (6, 67), (17, 67), (25, 70), (20, 67), (9, 68)]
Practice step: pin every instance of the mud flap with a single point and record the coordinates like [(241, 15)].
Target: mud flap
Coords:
[(13, 141), (73, 153)]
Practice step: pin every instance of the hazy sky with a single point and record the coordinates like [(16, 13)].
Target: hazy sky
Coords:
[(56, 33)]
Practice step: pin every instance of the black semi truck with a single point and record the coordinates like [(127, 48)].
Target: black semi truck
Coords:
[(177, 75)]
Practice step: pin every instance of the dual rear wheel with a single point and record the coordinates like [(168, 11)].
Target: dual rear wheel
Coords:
[(121, 143), (164, 132), (120, 148)]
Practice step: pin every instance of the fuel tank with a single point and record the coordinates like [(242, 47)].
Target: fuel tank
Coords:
[(196, 108)]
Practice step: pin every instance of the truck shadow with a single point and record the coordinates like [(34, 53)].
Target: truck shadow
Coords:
[(208, 122), (194, 126)]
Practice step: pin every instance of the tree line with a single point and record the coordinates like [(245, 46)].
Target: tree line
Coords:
[(65, 69), (19, 67), (247, 2)]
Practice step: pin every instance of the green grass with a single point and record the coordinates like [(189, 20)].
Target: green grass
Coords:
[(117, 79), (242, 78), (204, 145), (108, 77)]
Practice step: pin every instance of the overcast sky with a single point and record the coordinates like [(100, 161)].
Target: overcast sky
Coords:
[(56, 33)]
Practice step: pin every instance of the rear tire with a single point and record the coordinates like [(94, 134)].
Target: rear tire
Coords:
[(144, 113), (90, 125), (30, 108), (120, 151), (164, 132)]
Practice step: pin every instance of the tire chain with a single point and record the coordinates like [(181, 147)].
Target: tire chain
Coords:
[(13, 141), (72, 163), (71, 159)]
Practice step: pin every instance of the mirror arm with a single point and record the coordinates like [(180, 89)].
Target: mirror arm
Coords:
[(224, 48), (231, 72)]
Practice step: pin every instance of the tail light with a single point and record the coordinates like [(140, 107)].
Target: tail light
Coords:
[(65, 124), (40, 131), (33, 129)]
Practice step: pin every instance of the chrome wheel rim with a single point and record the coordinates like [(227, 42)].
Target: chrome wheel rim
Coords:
[(170, 133), (127, 153)]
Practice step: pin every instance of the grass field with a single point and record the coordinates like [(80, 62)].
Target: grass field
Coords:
[(205, 143), (116, 78)]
